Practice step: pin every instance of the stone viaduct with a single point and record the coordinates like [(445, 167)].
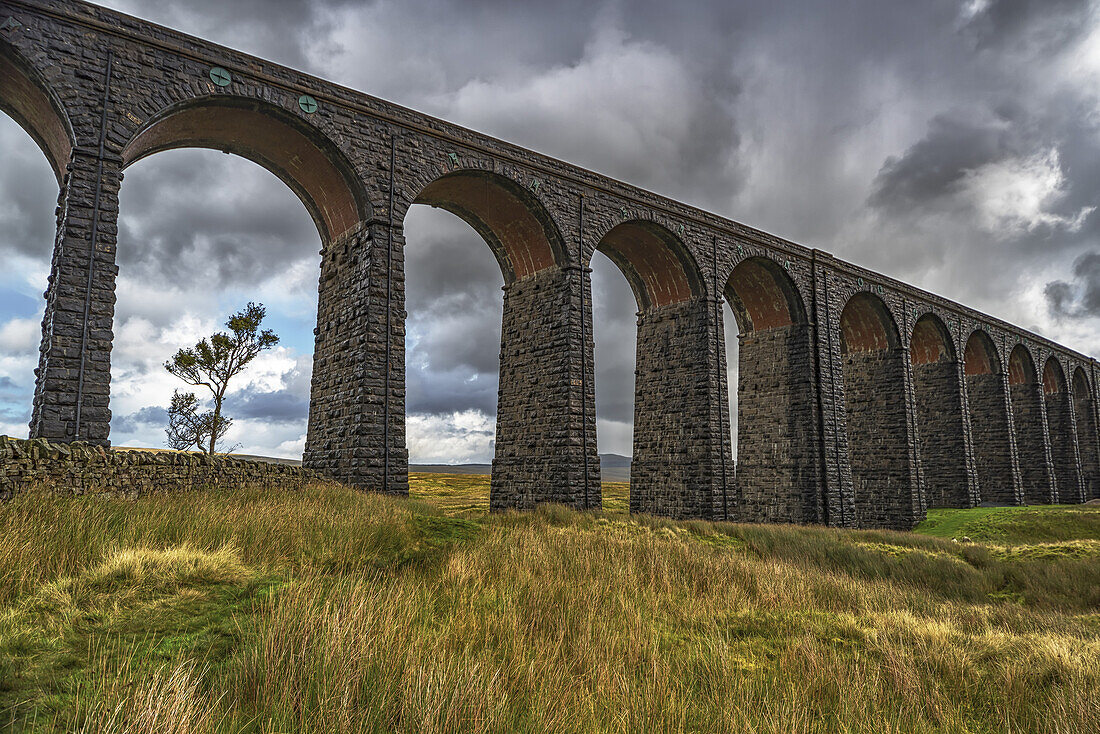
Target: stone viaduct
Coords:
[(862, 400)]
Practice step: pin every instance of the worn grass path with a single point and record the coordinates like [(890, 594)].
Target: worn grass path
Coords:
[(327, 610)]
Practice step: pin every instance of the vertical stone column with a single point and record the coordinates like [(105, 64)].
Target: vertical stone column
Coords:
[(1087, 448), (74, 365), (990, 424), (1063, 448), (347, 434), (676, 469), (883, 465), (836, 471), (1033, 451), (943, 440), (777, 452), (546, 414)]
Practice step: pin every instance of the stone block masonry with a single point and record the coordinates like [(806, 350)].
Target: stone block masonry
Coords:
[(836, 425), (997, 482), (81, 468)]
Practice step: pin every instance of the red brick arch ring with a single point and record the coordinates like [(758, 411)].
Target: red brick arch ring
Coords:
[(1054, 377), (763, 296), (658, 266), (931, 341), (866, 325), (1021, 366), (980, 356), (27, 99), (280, 141), (1081, 389), (512, 221)]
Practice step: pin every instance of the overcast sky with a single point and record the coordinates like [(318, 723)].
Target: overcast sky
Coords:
[(954, 144)]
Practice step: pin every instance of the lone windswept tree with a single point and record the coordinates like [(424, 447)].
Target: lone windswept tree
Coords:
[(212, 363)]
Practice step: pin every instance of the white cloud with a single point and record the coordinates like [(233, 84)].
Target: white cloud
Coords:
[(1016, 195), (464, 437), (20, 336)]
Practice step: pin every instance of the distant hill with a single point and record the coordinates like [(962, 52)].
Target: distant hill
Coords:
[(613, 468)]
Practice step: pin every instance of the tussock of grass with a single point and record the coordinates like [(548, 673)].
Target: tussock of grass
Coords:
[(328, 610)]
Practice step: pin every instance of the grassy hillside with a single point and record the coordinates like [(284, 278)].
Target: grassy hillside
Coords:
[(331, 611)]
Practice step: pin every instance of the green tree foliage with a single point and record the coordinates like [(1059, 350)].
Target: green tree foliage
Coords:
[(212, 363)]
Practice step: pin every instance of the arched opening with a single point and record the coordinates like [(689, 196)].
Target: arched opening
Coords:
[(615, 346), (776, 451), (675, 360), (201, 235), (879, 452), (1063, 449), (1027, 415), (941, 432), (24, 97), (268, 135), (529, 361), (989, 424), (511, 221), (1084, 410), (33, 125)]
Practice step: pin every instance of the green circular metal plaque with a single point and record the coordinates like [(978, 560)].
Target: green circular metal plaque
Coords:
[(220, 76), (308, 104)]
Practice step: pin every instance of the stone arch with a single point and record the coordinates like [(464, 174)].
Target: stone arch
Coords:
[(941, 428), (1060, 434), (1054, 377), (990, 428), (879, 450), (517, 227), (27, 98), (866, 325), (776, 470), (660, 269), (299, 154), (1021, 366), (763, 296), (1084, 412), (980, 356), (1026, 398), (674, 392), (931, 341), (537, 396)]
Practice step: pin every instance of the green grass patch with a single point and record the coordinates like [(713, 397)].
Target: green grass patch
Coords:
[(331, 610), (1014, 524)]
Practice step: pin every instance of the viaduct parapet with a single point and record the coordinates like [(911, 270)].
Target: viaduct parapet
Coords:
[(862, 400)]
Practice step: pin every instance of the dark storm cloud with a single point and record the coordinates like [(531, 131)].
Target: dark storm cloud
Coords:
[(292, 32), (278, 406), (936, 166), (204, 217), (30, 195), (909, 137), (1044, 23), (1081, 298), (150, 416), (439, 392)]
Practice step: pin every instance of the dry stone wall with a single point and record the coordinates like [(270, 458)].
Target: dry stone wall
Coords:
[(80, 468)]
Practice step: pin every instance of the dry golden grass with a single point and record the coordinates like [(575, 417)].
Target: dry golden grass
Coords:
[(332, 611)]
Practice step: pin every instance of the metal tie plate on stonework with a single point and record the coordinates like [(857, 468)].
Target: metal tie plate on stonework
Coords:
[(220, 76), (308, 104)]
